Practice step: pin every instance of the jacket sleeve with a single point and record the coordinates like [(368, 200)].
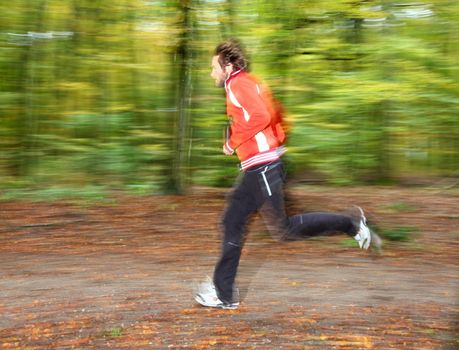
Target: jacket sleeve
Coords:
[(245, 94)]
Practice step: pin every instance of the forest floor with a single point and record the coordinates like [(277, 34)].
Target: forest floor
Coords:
[(119, 274)]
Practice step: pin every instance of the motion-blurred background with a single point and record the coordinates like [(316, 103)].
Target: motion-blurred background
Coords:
[(101, 95)]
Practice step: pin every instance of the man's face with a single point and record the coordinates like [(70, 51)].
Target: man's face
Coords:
[(218, 73)]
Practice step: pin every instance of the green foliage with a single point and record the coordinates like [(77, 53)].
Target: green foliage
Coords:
[(49, 194), (114, 332), (400, 207), (400, 233), (348, 243), (118, 94)]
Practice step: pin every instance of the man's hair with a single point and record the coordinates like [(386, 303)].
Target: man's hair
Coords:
[(231, 51)]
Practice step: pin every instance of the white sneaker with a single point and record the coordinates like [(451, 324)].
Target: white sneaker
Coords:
[(363, 236), (206, 295)]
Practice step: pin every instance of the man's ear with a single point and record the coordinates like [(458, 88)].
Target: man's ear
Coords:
[(229, 68)]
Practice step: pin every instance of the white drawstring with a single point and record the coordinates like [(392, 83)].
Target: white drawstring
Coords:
[(266, 181)]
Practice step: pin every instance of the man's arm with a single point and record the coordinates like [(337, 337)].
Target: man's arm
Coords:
[(256, 117)]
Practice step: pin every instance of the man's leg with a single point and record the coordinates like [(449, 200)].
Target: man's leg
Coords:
[(320, 223), (302, 225), (242, 203)]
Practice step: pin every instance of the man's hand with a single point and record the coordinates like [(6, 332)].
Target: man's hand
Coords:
[(226, 151)]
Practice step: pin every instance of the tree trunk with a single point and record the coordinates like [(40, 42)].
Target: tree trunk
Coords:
[(179, 176), (28, 121)]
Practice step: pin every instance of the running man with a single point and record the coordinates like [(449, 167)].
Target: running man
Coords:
[(256, 135)]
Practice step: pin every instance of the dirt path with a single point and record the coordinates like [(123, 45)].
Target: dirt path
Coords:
[(120, 276)]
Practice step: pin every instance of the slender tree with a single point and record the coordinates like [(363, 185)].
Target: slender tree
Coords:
[(182, 63)]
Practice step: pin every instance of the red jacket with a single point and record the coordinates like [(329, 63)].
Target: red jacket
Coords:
[(256, 132)]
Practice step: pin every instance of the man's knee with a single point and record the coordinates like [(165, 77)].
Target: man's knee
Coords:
[(232, 248), (233, 223)]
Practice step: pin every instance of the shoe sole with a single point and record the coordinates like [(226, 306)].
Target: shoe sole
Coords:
[(201, 301)]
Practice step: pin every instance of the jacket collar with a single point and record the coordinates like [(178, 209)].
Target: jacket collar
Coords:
[(233, 74)]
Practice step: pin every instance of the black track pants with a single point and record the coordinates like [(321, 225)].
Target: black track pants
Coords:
[(259, 187)]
